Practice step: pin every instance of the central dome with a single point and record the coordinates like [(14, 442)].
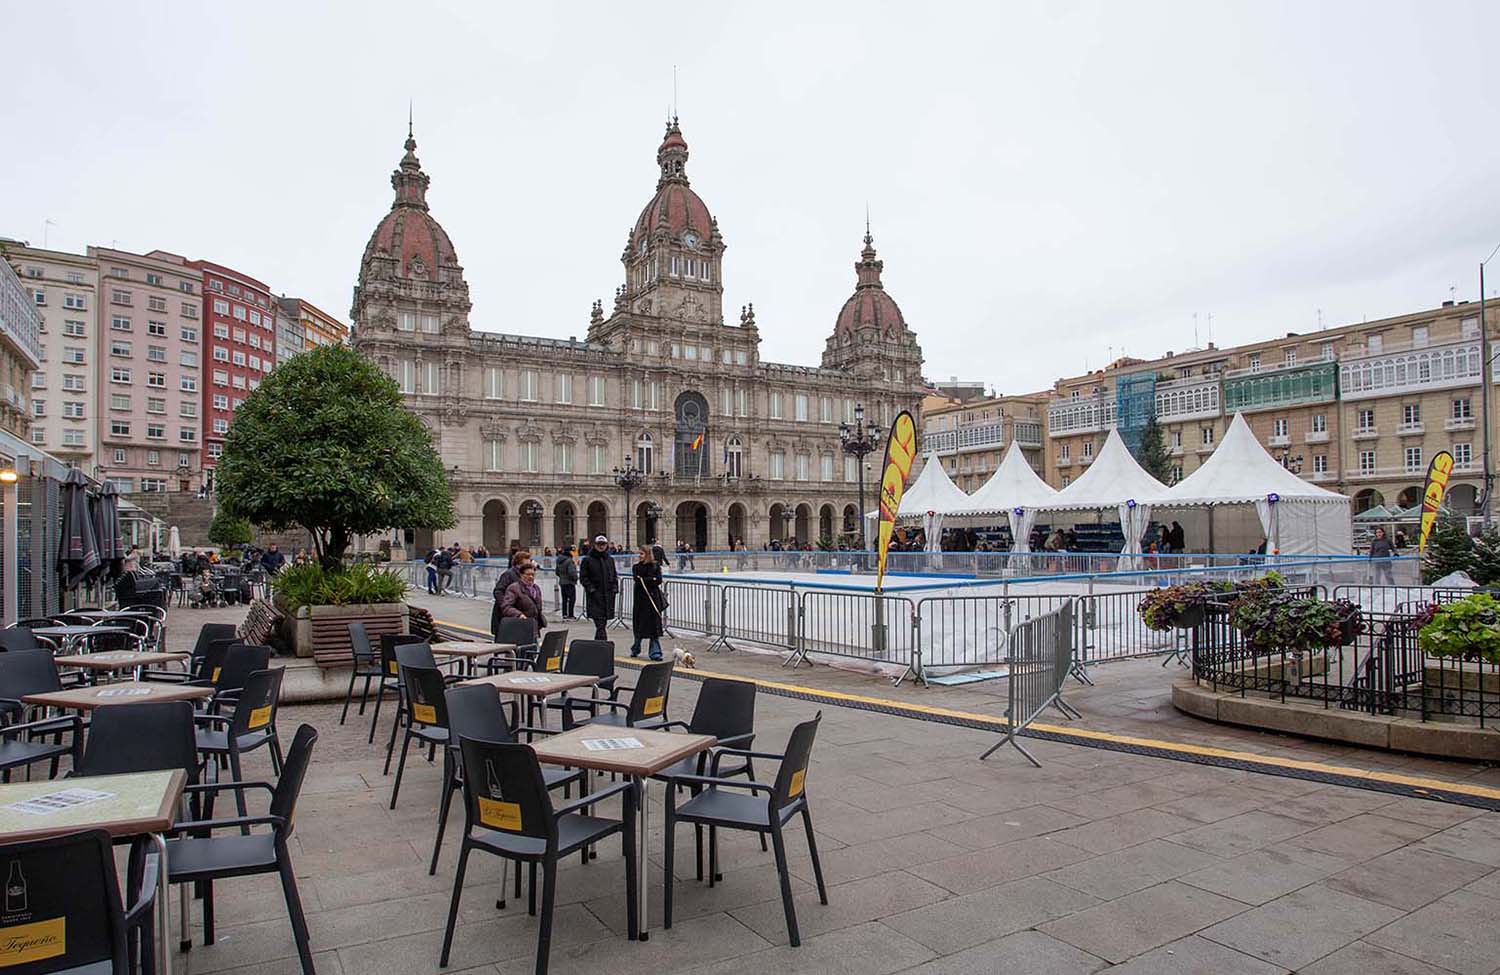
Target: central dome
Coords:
[(409, 233), (870, 306), (675, 207)]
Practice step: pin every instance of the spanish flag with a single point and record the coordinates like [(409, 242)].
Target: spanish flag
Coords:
[(698, 440)]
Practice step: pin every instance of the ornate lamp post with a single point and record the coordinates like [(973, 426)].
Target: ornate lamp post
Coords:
[(1291, 463), (533, 510), (859, 440), (628, 477)]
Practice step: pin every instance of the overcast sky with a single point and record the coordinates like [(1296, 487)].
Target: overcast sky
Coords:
[(1049, 183)]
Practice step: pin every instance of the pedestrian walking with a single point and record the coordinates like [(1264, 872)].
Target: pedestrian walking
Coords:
[(523, 599), (601, 585), (518, 558), (646, 621), (1380, 555), (567, 581)]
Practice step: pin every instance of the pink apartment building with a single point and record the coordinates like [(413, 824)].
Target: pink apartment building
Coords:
[(150, 370)]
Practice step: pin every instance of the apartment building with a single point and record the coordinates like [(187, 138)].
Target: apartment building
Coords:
[(149, 355), (45, 394), (971, 437), (319, 327), (239, 348), (1357, 408)]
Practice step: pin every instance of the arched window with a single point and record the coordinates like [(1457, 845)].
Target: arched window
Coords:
[(644, 454), (734, 452)]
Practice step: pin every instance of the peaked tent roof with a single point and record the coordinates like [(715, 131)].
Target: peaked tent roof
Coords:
[(1013, 485), (932, 491), (1378, 513), (1112, 479), (1241, 471)]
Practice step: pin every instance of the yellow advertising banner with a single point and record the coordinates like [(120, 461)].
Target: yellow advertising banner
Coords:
[(900, 452), (1438, 473)]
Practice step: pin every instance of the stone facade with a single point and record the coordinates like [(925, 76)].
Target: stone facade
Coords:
[(533, 428), (51, 311)]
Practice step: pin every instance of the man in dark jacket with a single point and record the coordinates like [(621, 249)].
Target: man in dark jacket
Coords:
[(601, 584), (272, 560), (442, 561)]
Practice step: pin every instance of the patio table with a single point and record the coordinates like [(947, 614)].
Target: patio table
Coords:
[(631, 752), (137, 804), (116, 660), (71, 636), (123, 692), (471, 652)]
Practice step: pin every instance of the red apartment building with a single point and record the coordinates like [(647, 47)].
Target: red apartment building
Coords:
[(239, 348)]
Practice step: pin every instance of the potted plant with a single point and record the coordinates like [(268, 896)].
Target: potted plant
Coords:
[(319, 603), (1271, 621), (1466, 629), (1174, 607)]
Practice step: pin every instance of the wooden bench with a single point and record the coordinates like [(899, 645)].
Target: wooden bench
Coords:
[(261, 623)]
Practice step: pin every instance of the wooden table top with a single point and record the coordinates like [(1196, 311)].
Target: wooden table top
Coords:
[(658, 750), (124, 692), (140, 802), (118, 659), (462, 649), (540, 685)]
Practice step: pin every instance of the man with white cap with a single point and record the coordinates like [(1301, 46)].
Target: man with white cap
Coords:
[(601, 585)]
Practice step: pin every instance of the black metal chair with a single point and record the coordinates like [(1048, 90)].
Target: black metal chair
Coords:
[(205, 859), (252, 725), (390, 679), (594, 658), (63, 907), (366, 665), (24, 743), (508, 812), (19, 638), (228, 677), (725, 710), (522, 634), (204, 665), (474, 711), (647, 707), (426, 708), (719, 806)]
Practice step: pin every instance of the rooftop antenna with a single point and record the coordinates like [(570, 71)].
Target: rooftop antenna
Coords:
[(1195, 330), (410, 111), (1210, 327), (1453, 292), (1321, 326), (674, 91), (47, 224), (867, 218)]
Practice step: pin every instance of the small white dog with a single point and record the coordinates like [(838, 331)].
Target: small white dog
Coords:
[(684, 658)]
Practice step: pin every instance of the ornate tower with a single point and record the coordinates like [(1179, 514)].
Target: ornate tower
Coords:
[(409, 277), (673, 256), (870, 337)]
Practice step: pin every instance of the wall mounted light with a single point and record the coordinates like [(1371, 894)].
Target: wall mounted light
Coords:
[(9, 476)]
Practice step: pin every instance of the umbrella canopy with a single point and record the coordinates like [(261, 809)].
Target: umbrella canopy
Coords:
[(78, 553), (110, 540), (174, 541)]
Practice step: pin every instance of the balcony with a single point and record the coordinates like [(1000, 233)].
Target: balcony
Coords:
[(1203, 449), (1279, 387), (1320, 477), (1188, 399), (1175, 451), (1410, 430), (1459, 423), (1434, 367), (1366, 433), (1279, 440), (1093, 414), (1086, 460), (1315, 436)]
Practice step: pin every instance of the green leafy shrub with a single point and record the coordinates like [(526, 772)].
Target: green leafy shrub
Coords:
[(1468, 629), (1181, 606), (1270, 620), (312, 585), (227, 531)]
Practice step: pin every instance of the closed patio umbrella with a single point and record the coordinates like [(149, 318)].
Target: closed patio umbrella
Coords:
[(111, 541), (78, 553)]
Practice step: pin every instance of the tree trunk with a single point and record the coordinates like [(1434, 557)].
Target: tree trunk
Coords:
[(334, 547)]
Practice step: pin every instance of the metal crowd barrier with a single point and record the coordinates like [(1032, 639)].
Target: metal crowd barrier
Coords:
[(869, 626), (757, 614), (1040, 660)]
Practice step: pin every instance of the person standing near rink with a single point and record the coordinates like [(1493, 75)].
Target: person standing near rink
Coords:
[(1381, 554), (601, 584)]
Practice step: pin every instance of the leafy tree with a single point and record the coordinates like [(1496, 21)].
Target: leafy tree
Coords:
[(1485, 558), (326, 443), (227, 531), (1448, 550), (1152, 454)]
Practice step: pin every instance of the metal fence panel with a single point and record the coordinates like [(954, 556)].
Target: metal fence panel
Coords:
[(871, 626)]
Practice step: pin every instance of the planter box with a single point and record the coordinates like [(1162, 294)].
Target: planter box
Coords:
[(322, 632)]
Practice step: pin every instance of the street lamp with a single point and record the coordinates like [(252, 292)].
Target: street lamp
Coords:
[(1292, 464), (1484, 389), (533, 509), (859, 440), (628, 477)]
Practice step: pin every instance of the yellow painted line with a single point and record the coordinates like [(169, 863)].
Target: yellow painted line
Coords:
[(1370, 775)]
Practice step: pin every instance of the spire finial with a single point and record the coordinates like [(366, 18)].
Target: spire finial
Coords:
[(674, 92), (410, 110)]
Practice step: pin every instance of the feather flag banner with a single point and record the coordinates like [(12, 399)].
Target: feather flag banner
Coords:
[(900, 451)]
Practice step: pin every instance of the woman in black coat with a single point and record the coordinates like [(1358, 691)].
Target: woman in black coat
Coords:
[(650, 604)]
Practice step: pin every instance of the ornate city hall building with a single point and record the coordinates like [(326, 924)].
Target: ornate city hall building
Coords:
[(533, 430)]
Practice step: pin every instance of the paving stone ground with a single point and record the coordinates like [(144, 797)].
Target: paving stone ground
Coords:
[(937, 863)]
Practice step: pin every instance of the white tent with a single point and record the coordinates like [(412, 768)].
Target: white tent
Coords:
[(1297, 517), (1114, 480), (932, 491), (1016, 491)]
